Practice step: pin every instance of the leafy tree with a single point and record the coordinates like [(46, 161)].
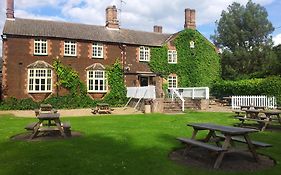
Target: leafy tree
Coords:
[(277, 50), (243, 33)]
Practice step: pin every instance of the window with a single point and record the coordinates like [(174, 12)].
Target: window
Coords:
[(144, 53), (40, 47), (97, 50), (173, 81), (39, 80), (97, 81), (70, 48), (172, 56)]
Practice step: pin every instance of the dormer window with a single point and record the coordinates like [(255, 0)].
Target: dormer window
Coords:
[(97, 50), (70, 48), (40, 47), (144, 54), (172, 56)]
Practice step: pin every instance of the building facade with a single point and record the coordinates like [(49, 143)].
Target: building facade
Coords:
[(29, 47)]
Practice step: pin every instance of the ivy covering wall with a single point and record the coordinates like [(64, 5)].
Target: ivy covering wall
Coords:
[(199, 66)]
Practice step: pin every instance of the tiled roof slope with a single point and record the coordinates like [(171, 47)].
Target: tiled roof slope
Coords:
[(44, 28)]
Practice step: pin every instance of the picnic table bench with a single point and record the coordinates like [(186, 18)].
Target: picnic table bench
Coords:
[(102, 108), (45, 108), (262, 117), (228, 135), (53, 124)]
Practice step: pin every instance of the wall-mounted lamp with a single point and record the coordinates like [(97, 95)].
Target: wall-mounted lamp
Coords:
[(4, 37), (127, 69), (192, 44)]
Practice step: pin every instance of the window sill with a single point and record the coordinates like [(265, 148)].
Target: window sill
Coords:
[(39, 92), (100, 58), (97, 92), (37, 54), (172, 63), (70, 55)]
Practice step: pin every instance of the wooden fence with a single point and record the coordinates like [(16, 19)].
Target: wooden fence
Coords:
[(262, 101)]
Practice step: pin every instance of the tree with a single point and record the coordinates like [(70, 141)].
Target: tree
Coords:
[(243, 33)]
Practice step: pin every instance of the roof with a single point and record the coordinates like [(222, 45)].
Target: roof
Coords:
[(44, 28), (96, 66)]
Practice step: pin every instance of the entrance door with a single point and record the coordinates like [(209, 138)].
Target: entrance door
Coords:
[(144, 81)]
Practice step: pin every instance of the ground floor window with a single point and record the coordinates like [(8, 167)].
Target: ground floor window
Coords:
[(97, 81), (172, 81), (39, 80)]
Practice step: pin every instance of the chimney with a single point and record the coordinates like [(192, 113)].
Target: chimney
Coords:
[(190, 22), (111, 17), (157, 29), (10, 9)]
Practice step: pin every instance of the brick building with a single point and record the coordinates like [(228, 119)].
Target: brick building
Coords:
[(29, 47)]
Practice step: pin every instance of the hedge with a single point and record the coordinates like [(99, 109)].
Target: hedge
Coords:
[(270, 86)]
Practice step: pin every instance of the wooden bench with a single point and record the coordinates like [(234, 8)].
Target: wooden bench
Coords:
[(30, 127), (201, 144), (242, 140), (66, 128)]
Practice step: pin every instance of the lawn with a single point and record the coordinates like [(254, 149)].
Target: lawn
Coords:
[(133, 144)]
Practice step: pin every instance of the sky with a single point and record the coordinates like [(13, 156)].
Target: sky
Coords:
[(137, 14)]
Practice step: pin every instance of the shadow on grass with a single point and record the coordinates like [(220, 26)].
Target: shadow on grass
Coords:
[(93, 154)]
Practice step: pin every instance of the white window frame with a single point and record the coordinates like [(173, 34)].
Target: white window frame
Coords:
[(99, 79), (97, 50), (40, 43), (172, 81), (144, 54), (32, 78), (172, 57), (70, 44)]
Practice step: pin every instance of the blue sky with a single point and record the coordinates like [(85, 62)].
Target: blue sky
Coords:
[(137, 14)]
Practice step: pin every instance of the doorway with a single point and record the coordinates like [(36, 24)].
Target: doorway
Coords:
[(144, 81)]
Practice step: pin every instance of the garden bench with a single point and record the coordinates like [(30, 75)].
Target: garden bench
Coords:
[(242, 140), (193, 142), (66, 128), (30, 127)]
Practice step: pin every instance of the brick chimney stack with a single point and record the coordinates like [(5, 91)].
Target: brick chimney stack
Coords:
[(111, 17), (157, 29), (10, 9), (190, 22)]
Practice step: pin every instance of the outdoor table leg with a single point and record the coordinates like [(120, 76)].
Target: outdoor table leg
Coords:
[(194, 133), (58, 123), (36, 129), (251, 147), (225, 145)]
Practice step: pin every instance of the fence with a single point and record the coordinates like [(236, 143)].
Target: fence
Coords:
[(193, 92), (261, 101)]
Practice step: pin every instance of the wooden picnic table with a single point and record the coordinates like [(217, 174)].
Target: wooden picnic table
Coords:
[(102, 108), (228, 136), (263, 117), (48, 122)]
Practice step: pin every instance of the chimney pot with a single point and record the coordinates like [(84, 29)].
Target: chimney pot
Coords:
[(190, 22), (10, 9), (111, 17), (157, 29)]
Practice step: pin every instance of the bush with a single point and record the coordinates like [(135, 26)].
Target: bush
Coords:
[(270, 86)]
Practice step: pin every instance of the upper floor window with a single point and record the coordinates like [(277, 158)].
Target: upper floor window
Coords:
[(97, 50), (97, 81), (40, 47), (39, 80), (70, 48), (172, 81), (144, 53), (172, 56)]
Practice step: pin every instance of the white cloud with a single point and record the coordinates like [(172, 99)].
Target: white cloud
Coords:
[(277, 39)]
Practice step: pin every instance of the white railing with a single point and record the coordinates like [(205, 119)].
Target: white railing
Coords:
[(175, 92), (193, 92), (261, 101)]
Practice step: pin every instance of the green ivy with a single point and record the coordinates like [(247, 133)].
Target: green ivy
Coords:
[(69, 79), (117, 94), (199, 66)]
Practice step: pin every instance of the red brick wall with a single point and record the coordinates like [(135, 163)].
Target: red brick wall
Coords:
[(18, 54)]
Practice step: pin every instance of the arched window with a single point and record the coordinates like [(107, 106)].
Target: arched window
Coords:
[(39, 77), (96, 78)]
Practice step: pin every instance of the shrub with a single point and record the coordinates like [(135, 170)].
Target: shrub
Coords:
[(270, 86)]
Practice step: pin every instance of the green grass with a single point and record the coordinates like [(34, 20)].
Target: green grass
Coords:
[(135, 144)]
